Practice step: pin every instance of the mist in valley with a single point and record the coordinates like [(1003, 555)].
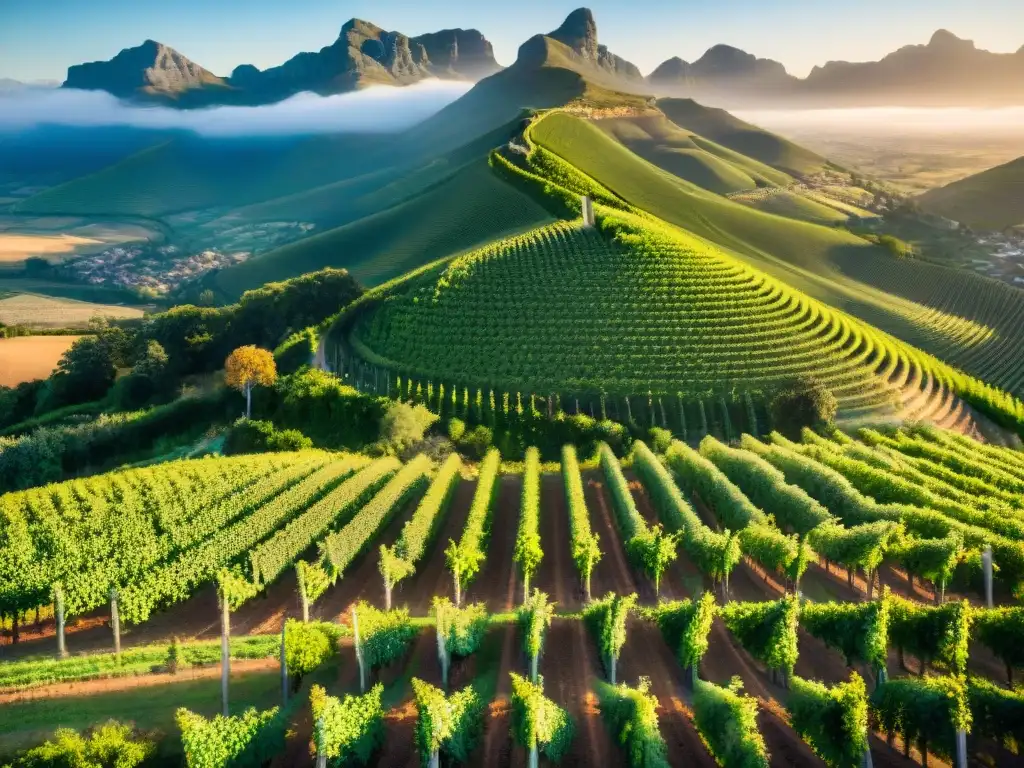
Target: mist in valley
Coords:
[(914, 148), (372, 110)]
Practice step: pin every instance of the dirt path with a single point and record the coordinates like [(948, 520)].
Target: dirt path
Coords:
[(499, 751), (569, 666), (557, 574), (612, 573), (498, 584), (647, 654), (432, 577), (239, 667), (682, 579)]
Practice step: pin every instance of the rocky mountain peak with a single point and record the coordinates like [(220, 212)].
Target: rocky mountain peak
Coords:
[(943, 38), (579, 32), (671, 70), (151, 66)]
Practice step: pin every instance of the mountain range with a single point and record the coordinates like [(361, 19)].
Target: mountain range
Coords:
[(363, 55), (947, 71)]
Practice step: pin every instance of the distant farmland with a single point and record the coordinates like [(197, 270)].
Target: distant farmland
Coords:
[(26, 358), (37, 311)]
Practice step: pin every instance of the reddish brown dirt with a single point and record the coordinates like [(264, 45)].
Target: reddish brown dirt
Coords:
[(569, 665), (199, 616), (681, 579), (106, 685), (557, 575), (498, 583), (362, 581), (647, 654), (432, 577), (499, 751), (612, 573)]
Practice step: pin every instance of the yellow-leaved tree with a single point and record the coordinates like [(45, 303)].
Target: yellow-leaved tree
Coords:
[(248, 367)]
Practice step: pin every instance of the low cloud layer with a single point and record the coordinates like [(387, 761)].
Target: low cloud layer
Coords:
[(379, 109), (1008, 121)]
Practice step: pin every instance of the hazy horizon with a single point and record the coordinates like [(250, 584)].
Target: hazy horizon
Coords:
[(40, 41)]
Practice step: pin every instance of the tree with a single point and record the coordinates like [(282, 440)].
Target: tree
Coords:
[(404, 425), (804, 403), (248, 367), (85, 372)]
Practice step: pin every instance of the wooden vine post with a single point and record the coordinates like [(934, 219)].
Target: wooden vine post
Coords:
[(442, 653), (115, 624), (58, 609), (986, 560), (359, 650), (225, 649), (321, 747), (284, 666)]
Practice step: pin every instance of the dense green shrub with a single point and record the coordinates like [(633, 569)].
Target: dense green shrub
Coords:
[(250, 436), (767, 630), (924, 711), (632, 716), (996, 713), (297, 351), (537, 722), (321, 406), (349, 730), (803, 403), (727, 720), (111, 745), (247, 740), (448, 726), (834, 721), (308, 645), (476, 442), (685, 625)]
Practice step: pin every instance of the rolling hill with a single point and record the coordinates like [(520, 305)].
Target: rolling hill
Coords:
[(689, 156), (967, 320), (723, 128), (992, 199), (469, 208)]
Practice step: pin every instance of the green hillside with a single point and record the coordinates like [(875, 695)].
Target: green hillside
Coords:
[(186, 174), (730, 225), (563, 309), (944, 312), (723, 128), (793, 205), (470, 208), (644, 309), (688, 156), (993, 199)]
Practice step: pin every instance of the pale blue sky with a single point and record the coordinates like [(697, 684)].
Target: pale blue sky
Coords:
[(39, 39)]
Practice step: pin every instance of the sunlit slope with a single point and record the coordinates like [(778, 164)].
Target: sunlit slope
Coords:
[(793, 205), (383, 187), (729, 131), (683, 203), (565, 309), (688, 156), (993, 199), (966, 320), (192, 173), (470, 208)]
